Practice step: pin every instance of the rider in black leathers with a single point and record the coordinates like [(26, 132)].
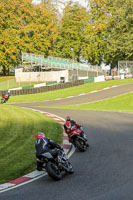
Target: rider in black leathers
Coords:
[(43, 145)]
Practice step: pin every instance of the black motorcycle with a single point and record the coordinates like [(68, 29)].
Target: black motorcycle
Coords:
[(79, 140), (55, 167)]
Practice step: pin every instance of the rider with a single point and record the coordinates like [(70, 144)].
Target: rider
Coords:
[(6, 95), (70, 125), (43, 145)]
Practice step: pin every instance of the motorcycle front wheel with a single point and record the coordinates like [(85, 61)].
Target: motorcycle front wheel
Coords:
[(70, 168), (81, 145), (2, 101), (53, 171)]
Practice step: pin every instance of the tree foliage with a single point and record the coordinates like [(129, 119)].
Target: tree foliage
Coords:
[(110, 31), (119, 44), (25, 27), (104, 32), (71, 28), (95, 33)]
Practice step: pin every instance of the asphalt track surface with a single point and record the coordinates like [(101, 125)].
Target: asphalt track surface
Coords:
[(103, 94), (103, 172)]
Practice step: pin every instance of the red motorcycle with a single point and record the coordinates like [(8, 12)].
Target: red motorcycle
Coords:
[(79, 139)]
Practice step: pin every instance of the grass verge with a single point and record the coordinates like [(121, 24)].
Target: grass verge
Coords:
[(123, 103), (9, 82), (67, 92), (18, 128), (5, 78)]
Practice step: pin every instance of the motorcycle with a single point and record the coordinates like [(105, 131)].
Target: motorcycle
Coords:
[(55, 167), (79, 139), (4, 98)]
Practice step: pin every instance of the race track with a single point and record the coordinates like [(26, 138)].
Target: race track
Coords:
[(104, 171), (85, 98)]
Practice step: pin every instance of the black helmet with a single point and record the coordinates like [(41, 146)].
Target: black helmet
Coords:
[(68, 118)]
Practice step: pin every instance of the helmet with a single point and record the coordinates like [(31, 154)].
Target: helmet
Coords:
[(68, 118), (40, 135)]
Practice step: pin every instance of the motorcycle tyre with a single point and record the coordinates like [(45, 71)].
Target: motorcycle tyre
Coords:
[(52, 173), (2, 101), (79, 146)]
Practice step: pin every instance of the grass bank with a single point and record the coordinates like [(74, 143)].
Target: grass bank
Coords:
[(67, 92), (123, 103), (18, 128)]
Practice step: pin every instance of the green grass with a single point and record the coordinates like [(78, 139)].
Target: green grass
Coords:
[(9, 82), (5, 78), (67, 92), (18, 128), (123, 103)]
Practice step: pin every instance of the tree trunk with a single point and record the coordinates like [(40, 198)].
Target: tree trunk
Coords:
[(4, 71)]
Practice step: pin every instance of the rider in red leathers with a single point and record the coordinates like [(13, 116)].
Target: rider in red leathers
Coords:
[(70, 126)]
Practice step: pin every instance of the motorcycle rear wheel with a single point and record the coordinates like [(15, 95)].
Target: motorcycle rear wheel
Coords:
[(52, 171)]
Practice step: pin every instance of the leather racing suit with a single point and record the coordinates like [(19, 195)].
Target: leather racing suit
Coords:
[(45, 145), (70, 126)]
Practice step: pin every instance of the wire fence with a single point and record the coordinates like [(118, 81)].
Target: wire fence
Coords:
[(125, 67)]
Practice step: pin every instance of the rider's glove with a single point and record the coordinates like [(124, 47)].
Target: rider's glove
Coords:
[(61, 148)]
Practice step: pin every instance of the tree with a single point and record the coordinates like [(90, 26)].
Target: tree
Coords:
[(96, 32), (8, 32), (25, 27), (71, 27), (109, 34), (43, 29), (119, 44)]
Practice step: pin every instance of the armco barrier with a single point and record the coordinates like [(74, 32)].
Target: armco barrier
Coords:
[(89, 80), (46, 88), (108, 78), (128, 76), (116, 77), (112, 78), (51, 83)]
